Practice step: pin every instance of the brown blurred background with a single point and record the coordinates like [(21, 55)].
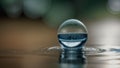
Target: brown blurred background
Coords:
[(32, 24)]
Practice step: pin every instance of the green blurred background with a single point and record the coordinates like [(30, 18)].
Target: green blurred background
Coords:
[(54, 12)]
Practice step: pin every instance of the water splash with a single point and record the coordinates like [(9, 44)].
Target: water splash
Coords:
[(56, 50)]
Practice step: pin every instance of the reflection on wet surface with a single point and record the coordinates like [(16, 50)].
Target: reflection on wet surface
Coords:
[(72, 59), (56, 58)]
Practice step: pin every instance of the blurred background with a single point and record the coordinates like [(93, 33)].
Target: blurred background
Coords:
[(32, 24)]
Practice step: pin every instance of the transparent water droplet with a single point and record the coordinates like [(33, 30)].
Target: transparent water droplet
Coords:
[(72, 34)]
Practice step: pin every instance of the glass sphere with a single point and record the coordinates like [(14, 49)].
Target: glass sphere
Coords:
[(72, 34)]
